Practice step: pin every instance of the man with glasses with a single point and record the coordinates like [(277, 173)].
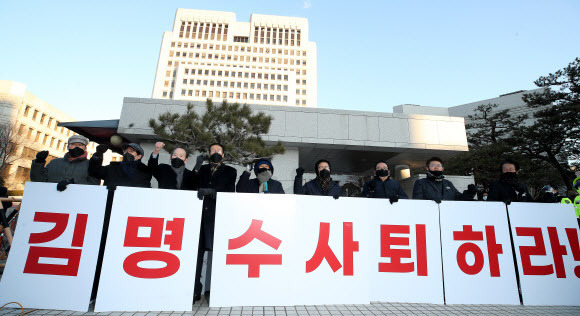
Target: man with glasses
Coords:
[(435, 187), (130, 172), (383, 186), (210, 178)]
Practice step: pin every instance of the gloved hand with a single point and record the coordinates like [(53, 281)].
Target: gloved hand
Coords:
[(61, 186), (395, 199), (199, 161), (437, 200), (507, 202), (41, 156), (111, 187), (372, 185), (300, 171), (101, 149), (201, 193), (336, 196), (472, 189)]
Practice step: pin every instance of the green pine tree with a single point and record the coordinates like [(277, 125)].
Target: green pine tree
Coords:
[(234, 126)]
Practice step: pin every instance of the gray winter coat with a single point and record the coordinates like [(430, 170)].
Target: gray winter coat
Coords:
[(62, 169)]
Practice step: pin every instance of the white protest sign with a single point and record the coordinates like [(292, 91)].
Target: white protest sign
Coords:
[(332, 250), (254, 259), (151, 251), (547, 249), (405, 252), (478, 261), (53, 257)]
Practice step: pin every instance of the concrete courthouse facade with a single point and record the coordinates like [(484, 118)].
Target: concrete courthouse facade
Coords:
[(209, 54)]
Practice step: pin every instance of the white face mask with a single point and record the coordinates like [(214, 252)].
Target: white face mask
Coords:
[(485, 198), (264, 176)]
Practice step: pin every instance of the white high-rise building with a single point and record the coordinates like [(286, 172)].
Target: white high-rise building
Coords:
[(268, 60)]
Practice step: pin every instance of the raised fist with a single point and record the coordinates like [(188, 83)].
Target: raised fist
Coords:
[(300, 171), (158, 147), (101, 149), (41, 156)]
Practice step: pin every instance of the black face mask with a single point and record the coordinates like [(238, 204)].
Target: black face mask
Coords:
[(509, 175), (127, 157), (436, 173), (76, 152), (382, 173), (260, 170), (215, 158), (177, 162), (324, 173)]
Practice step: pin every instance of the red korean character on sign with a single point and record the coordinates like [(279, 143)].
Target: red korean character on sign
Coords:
[(397, 254), (254, 260), (539, 249), (73, 255), (493, 250), (323, 250), (154, 240)]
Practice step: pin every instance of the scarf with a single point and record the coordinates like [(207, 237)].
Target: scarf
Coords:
[(179, 175), (434, 177), (215, 167), (324, 183)]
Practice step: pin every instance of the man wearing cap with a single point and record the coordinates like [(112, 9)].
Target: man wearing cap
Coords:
[(321, 185), (173, 176), (263, 183), (130, 172), (72, 168)]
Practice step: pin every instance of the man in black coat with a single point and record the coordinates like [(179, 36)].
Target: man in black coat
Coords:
[(263, 183), (509, 188), (321, 185), (435, 187), (130, 172), (174, 176), (210, 178), (383, 186)]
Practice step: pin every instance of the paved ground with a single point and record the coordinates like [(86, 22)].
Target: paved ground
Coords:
[(375, 308)]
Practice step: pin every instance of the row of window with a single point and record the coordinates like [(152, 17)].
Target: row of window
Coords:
[(175, 63), (229, 48), (234, 74), (246, 58), (276, 36), (242, 58), (206, 31), (234, 84), (45, 120), (42, 138), (235, 95)]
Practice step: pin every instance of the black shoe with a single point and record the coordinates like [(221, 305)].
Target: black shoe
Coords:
[(196, 298), (206, 294)]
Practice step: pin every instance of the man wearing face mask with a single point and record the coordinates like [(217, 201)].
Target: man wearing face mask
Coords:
[(72, 168), (173, 176), (263, 183), (435, 187), (321, 185), (509, 188), (383, 186), (210, 178), (130, 172)]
